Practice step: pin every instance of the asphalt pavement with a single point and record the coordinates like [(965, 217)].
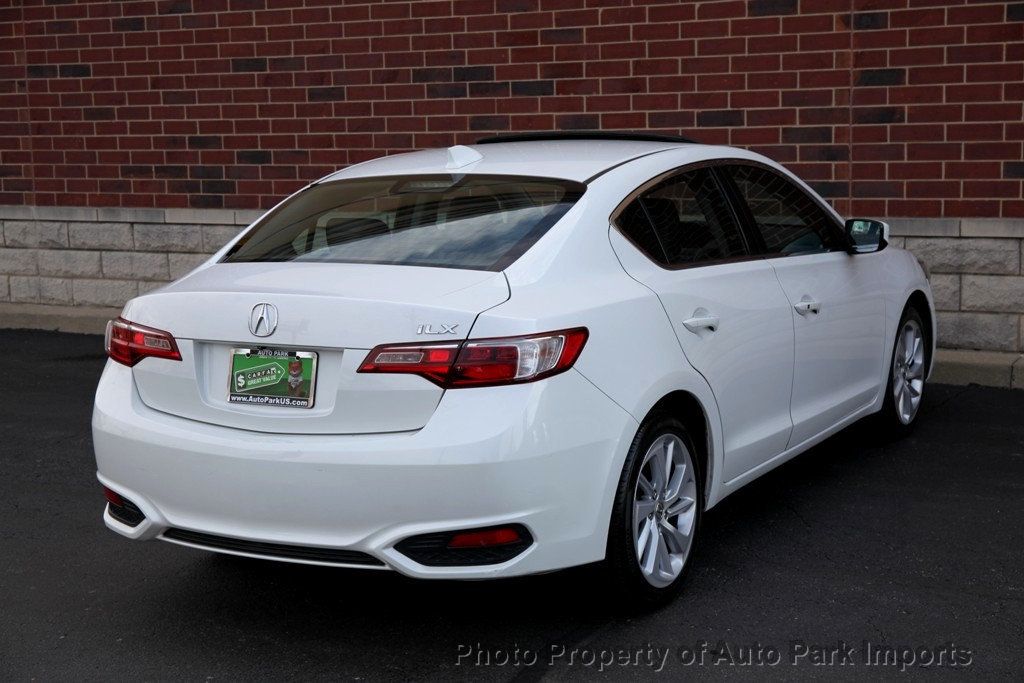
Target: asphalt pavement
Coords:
[(859, 559)]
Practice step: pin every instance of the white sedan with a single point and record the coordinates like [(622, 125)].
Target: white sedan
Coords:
[(535, 352)]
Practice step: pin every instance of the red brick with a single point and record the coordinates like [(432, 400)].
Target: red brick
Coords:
[(916, 56), (718, 10), (754, 26), (721, 46), (949, 35), (976, 13), (960, 54), (1008, 111), (913, 18), (1003, 73), (970, 207), (935, 74)]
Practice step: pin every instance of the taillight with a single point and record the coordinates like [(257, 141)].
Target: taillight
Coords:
[(128, 343), (482, 362)]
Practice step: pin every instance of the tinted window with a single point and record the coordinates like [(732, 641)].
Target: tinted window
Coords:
[(789, 221), (467, 221), (634, 224), (683, 220)]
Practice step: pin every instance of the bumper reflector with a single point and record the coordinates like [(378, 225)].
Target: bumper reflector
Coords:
[(467, 548), (485, 539), (122, 509)]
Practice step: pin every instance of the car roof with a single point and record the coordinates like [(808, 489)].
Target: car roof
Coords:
[(578, 159)]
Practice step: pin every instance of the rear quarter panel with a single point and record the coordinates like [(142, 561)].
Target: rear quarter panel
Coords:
[(571, 278)]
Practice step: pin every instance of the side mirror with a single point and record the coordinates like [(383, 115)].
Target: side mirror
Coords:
[(866, 235)]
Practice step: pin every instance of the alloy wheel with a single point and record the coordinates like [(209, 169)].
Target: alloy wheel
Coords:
[(908, 371), (664, 510)]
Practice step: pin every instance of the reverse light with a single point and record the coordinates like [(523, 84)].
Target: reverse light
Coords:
[(482, 362), (128, 343)]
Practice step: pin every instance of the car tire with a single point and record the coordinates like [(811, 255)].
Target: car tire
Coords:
[(656, 516), (908, 368)]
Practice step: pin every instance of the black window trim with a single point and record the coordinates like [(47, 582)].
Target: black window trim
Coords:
[(729, 200), (747, 217)]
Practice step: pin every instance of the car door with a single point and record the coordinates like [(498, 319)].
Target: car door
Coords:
[(725, 304), (838, 307)]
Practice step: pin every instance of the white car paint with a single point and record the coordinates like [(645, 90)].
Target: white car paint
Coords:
[(382, 457)]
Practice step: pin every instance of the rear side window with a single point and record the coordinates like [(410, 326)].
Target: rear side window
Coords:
[(475, 222), (684, 220), (788, 220)]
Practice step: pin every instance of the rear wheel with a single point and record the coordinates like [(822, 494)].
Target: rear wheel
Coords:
[(905, 391), (656, 515)]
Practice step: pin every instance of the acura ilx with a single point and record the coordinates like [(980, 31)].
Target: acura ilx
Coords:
[(530, 353)]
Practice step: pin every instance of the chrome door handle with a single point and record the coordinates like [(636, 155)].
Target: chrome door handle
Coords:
[(807, 305), (702, 320)]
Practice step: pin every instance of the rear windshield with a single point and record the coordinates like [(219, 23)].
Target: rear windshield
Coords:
[(477, 222)]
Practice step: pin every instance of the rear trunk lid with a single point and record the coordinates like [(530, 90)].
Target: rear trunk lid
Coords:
[(337, 311)]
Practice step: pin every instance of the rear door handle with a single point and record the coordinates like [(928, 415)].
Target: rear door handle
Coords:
[(701, 320), (807, 305)]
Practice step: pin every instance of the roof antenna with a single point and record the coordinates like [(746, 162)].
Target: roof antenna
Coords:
[(460, 155)]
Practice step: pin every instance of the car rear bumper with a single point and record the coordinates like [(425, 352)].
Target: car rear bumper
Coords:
[(546, 455)]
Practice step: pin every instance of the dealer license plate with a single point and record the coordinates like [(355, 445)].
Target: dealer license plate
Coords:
[(273, 377)]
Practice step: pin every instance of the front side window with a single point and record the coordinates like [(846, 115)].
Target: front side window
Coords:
[(788, 220), (684, 220), (477, 222)]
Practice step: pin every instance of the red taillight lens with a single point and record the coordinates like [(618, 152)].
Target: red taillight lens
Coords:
[(482, 362), (484, 539), (128, 343)]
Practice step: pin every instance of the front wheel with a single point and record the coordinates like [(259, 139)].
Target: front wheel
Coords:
[(656, 515), (905, 391)]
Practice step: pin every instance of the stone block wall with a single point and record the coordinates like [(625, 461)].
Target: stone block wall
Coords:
[(976, 276), (72, 256)]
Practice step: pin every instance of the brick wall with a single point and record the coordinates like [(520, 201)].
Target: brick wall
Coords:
[(137, 136), (892, 107)]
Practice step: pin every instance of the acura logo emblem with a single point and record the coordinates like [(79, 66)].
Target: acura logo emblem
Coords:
[(263, 320)]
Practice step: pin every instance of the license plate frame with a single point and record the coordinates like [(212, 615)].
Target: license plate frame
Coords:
[(263, 389)]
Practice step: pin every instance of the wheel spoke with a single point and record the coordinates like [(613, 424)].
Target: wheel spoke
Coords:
[(908, 343), (915, 386), (670, 446), (646, 486), (674, 538), (643, 508), (664, 561), (658, 475), (644, 538), (675, 484), (679, 506), (652, 550)]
